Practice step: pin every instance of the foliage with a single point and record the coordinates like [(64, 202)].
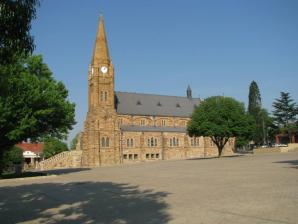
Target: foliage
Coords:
[(256, 111), (221, 118), (254, 99), (32, 103), (15, 23), (285, 114), (12, 156), (285, 110), (53, 146), (74, 142)]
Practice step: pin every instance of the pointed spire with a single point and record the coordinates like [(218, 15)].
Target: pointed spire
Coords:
[(101, 50), (188, 92)]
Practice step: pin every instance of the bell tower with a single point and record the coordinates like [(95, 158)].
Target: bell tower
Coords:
[(101, 73), (101, 132)]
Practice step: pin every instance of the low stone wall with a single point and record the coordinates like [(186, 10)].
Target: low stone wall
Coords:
[(291, 147), (67, 159)]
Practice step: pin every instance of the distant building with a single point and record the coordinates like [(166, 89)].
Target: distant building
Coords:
[(31, 152)]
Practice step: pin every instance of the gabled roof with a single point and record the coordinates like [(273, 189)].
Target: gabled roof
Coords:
[(154, 105), (33, 147)]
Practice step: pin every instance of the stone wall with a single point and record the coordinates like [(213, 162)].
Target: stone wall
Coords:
[(66, 159)]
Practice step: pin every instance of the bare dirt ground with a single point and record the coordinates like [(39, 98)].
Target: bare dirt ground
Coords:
[(242, 189)]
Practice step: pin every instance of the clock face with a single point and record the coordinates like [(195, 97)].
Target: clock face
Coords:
[(104, 69)]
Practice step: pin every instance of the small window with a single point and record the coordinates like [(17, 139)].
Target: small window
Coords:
[(142, 122), (159, 104), (152, 156), (130, 156), (157, 155), (135, 156), (139, 102), (147, 156), (125, 156), (101, 96), (163, 122), (178, 105)]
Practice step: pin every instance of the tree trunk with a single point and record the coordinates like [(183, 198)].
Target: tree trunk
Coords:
[(219, 151)]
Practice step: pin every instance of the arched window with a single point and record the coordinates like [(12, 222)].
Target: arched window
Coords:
[(101, 96), (148, 142), (131, 142), (177, 142), (192, 142), (103, 142), (152, 142), (171, 142), (127, 142), (107, 142), (106, 96), (198, 142), (155, 142)]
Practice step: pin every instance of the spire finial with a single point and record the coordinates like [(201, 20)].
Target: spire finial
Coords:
[(188, 92)]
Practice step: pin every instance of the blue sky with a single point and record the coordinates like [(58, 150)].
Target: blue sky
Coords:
[(216, 46)]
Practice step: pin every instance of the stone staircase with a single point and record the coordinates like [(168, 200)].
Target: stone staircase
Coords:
[(66, 159)]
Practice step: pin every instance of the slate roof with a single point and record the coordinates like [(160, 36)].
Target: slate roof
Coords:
[(154, 105), (134, 128)]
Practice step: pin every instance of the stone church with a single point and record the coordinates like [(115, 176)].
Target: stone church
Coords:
[(123, 127)]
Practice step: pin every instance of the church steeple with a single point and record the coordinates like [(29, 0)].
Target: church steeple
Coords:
[(101, 50)]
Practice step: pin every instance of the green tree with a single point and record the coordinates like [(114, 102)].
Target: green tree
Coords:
[(32, 104), (74, 142), (285, 114), (53, 146), (255, 110), (15, 24), (221, 118)]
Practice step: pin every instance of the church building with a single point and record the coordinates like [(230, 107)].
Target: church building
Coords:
[(123, 127)]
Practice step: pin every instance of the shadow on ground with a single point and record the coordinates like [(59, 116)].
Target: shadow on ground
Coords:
[(64, 171), (82, 202), (294, 163), (215, 157)]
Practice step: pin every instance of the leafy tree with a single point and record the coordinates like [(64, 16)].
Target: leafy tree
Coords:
[(221, 118), (32, 104), (74, 142), (15, 24), (285, 113), (53, 146)]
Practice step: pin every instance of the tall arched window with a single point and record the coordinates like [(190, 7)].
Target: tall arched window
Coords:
[(101, 96), (106, 96), (107, 142), (155, 142), (127, 142), (103, 142), (152, 142), (171, 142), (131, 142)]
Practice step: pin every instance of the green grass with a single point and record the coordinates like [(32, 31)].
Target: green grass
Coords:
[(23, 175)]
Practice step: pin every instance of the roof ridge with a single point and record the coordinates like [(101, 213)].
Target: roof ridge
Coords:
[(153, 94)]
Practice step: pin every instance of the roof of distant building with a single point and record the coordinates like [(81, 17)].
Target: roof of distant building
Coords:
[(33, 147), (155, 105)]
